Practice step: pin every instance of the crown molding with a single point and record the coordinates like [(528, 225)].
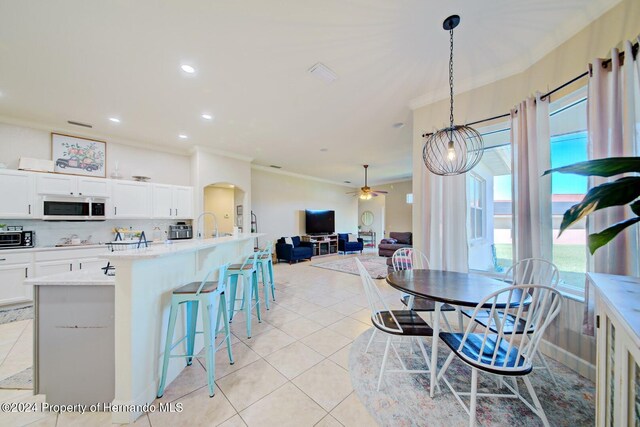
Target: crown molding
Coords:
[(201, 148), (74, 130), (299, 175)]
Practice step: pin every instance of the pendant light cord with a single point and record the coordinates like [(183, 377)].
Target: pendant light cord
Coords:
[(451, 76)]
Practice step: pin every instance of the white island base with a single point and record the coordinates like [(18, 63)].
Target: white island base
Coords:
[(144, 281)]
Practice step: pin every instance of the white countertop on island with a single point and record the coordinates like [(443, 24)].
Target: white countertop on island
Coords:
[(95, 277), (161, 250)]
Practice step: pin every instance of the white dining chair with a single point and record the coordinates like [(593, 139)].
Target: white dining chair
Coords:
[(501, 353), (400, 323)]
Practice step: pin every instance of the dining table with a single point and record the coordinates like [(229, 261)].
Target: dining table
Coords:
[(445, 287)]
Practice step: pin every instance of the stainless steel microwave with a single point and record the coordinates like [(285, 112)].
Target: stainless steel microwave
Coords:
[(73, 209)]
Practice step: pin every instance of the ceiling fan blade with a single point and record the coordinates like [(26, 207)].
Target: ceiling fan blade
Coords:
[(380, 191), (352, 192)]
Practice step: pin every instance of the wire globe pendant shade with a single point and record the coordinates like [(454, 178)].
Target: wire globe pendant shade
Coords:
[(458, 148)]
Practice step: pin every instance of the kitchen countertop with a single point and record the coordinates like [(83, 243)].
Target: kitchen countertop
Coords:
[(161, 250), (95, 277), (51, 248)]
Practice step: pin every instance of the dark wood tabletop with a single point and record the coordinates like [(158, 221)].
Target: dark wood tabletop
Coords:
[(464, 289)]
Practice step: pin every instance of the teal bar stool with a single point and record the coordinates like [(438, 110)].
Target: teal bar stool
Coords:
[(214, 306), (265, 265), (251, 297)]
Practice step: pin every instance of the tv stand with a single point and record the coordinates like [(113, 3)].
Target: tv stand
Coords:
[(323, 244)]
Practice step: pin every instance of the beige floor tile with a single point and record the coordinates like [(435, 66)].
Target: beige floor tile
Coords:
[(287, 406), (49, 421), (352, 413), (24, 418), (278, 316), (10, 332), (328, 421), (198, 410), (294, 359), (250, 384), (323, 300), (242, 356), (269, 342), (349, 327), (326, 383), (235, 421), (239, 328), (326, 341), (303, 307), (341, 357), (345, 308), (14, 395), (325, 317), (97, 419), (363, 316), (301, 327), (190, 379)]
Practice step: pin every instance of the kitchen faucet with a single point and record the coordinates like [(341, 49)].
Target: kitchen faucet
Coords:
[(215, 224)]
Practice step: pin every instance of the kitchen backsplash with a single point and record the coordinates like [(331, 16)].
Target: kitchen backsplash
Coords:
[(50, 233)]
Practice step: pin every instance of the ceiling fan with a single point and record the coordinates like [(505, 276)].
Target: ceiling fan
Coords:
[(366, 193)]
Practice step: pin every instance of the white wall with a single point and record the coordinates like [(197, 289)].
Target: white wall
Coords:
[(398, 212), (279, 202), (162, 167), (480, 252), (377, 206), (220, 201)]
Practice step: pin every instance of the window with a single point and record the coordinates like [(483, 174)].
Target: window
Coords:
[(409, 198), (568, 125), (477, 187)]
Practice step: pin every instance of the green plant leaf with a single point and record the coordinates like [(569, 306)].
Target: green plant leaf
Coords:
[(601, 167), (616, 193), (596, 240)]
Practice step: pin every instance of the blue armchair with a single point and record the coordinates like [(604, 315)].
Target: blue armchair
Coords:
[(344, 245), (299, 250)]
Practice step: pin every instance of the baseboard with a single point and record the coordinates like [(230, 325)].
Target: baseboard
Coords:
[(139, 402), (570, 360)]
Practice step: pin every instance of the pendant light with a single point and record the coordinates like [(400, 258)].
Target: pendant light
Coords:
[(458, 148)]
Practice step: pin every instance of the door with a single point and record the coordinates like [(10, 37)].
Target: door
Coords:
[(163, 206), (12, 289), (93, 187), (60, 185), (131, 199), (183, 202), (17, 195)]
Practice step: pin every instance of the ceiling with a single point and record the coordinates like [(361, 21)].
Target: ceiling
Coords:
[(89, 60)]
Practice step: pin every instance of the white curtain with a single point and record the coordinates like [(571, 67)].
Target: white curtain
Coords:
[(531, 192), (613, 124), (444, 210)]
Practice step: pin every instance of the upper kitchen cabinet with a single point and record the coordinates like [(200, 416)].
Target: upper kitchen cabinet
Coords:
[(172, 202), (130, 199), (65, 185), (17, 194)]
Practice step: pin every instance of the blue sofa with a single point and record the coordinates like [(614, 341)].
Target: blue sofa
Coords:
[(344, 245), (299, 250)]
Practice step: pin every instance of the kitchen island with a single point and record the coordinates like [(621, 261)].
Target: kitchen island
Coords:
[(141, 291)]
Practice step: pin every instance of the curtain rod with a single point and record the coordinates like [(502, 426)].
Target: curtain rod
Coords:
[(605, 63)]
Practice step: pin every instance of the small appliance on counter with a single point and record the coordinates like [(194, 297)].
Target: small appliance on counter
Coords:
[(14, 237), (180, 231)]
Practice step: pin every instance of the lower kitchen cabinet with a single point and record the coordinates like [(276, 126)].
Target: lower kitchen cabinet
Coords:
[(12, 290)]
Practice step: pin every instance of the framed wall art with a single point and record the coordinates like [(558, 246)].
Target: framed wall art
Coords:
[(78, 156)]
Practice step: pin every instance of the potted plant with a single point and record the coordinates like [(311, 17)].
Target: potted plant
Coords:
[(623, 191)]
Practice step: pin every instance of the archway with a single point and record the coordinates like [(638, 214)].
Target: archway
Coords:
[(226, 201)]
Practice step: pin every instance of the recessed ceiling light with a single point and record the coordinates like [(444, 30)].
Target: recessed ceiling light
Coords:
[(207, 116), (398, 125), (324, 149), (188, 68), (114, 119), (183, 136)]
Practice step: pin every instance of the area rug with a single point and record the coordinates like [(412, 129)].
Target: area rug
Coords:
[(21, 381), (375, 265), (16, 314), (403, 399)]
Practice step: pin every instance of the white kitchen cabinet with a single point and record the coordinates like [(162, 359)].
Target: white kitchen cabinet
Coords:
[(48, 268), (171, 201), (94, 187), (183, 202), (64, 185), (17, 194), (14, 268), (91, 263), (130, 200)]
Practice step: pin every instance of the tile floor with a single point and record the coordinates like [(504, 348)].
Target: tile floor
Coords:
[(293, 371)]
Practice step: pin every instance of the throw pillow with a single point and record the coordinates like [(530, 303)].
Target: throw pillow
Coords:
[(288, 241), (352, 238)]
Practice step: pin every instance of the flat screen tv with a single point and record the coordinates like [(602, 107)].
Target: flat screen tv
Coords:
[(320, 222)]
